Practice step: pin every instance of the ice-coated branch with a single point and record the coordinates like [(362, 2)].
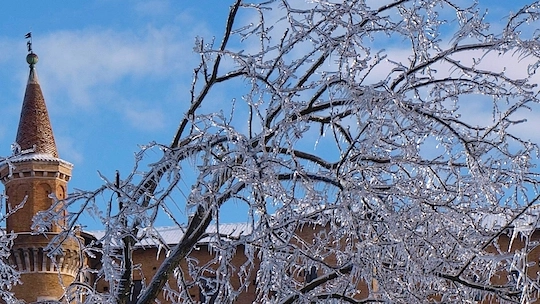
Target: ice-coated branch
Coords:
[(374, 150)]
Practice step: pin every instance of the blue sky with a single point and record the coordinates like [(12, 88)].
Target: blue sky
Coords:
[(115, 74)]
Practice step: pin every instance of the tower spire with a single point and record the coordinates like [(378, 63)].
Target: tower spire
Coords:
[(30, 178), (35, 132)]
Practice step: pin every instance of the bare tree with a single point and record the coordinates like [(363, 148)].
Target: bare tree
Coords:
[(371, 143)]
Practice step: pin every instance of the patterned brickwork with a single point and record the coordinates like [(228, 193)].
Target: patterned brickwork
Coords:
[(35, 129)]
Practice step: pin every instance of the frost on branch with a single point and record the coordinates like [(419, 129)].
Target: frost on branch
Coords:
[(375, 147), (9, 276)]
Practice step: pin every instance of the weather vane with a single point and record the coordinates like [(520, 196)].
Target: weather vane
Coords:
[(31, 58), (29, 42)]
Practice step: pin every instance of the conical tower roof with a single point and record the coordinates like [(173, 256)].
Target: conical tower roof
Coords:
[(35, 131)]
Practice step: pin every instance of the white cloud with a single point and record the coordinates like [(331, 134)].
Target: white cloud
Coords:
[(145, 118), (79, 62)]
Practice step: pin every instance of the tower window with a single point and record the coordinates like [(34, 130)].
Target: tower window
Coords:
[(135, 291), (207, 291), (311, 274)]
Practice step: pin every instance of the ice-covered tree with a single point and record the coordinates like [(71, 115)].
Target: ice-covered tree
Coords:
[(374, 145)]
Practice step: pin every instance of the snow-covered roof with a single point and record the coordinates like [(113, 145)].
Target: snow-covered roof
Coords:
[(171, 235), (525, 222), (35, 157)]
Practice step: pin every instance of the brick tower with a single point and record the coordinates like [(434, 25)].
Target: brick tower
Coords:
[(35, 172)]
